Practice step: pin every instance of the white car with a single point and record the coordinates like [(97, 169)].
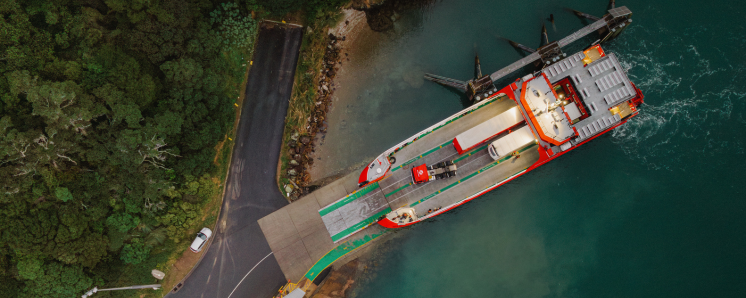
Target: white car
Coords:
[(201, 239)]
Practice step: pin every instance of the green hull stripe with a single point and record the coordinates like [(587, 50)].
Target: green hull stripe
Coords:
[(349, 198), (340, 251), (368, 221), (397, 190), (467, 177)]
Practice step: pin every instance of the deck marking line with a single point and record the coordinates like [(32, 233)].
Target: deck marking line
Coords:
[(348, 198), (397, 190), (418, 157)]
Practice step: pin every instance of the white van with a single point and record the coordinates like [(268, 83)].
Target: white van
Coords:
[(512, 142)]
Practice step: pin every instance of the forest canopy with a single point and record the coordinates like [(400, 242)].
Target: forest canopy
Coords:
[(110, 113)]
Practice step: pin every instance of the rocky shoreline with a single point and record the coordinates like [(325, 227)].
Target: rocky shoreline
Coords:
[(381, 14), (301, 146), (360, 16)]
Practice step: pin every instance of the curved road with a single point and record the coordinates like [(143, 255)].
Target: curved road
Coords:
[(239, 246)]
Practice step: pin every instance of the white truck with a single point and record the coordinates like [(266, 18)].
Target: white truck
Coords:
[(510, 143)]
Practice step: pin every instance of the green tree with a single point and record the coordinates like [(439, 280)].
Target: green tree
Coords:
[(122, 222), (63, 194), (134, 252), (109, 115), (57, 280), (30, 268)]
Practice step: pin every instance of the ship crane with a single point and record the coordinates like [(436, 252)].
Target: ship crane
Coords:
[(482, 86)]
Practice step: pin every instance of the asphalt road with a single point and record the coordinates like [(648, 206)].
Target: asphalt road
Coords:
[(239, 245)]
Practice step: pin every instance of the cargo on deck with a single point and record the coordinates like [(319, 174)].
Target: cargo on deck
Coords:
[(487, 130), (511, 142)]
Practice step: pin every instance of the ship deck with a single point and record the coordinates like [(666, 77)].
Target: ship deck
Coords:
[(304, 232), (476, 171)]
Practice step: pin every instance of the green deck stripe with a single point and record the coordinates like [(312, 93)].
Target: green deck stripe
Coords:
[(349, 198), (423, 155), (470, 153), (340, 251), (398, 189), (368, 221), (467, 177), (439, 127)]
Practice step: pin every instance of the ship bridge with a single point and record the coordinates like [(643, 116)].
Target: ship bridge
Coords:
[(546, 111)]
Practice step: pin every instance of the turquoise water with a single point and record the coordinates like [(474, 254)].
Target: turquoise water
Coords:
[(655, 209)]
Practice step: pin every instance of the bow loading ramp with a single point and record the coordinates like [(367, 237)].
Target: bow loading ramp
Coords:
[(297, 234), (354, 212)]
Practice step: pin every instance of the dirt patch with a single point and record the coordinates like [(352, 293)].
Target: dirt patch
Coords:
[(181, 268)]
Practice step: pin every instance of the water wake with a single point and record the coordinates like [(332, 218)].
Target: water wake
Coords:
[(694, 99)]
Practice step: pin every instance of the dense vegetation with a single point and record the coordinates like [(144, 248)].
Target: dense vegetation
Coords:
[(110, 113)]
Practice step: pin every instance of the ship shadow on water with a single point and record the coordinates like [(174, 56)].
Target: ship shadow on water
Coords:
[(462, 97)]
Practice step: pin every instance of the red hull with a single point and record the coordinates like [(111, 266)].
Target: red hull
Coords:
[(544, 157)]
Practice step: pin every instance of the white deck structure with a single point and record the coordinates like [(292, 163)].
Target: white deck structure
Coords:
[(512, 142), (547, 109), (488, 129)]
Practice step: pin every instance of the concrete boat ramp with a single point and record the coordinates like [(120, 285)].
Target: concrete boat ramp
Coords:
[(311, 233)]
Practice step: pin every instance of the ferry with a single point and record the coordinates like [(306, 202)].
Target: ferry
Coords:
[(506, 134)]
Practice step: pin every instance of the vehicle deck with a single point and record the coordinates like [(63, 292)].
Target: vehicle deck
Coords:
[(476, 171)]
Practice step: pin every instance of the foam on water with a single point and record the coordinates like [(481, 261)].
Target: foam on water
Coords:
[(689, 102)]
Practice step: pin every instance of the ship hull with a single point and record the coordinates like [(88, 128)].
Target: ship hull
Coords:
[(538, 118), (544, 158)]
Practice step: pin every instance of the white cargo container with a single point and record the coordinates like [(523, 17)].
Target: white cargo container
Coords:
[(486, 130), (511, 142)]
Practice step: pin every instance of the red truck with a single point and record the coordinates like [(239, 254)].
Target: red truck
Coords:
[(441, 170)]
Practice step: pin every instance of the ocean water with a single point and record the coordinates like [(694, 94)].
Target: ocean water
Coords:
[(655, 209)]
